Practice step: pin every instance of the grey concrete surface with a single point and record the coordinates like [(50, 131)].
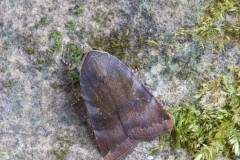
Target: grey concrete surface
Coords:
[(37, 120)]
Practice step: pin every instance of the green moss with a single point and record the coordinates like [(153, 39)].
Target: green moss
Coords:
[(3, 154), (222, 91), (75, 77), (212, 27), (30, 50), (211, 127), (40, 62), (73, 53), (55, 35), (64, 143), (153, 44), (54, 85), (70, 26), (140, 41), (9, 84), (3, 69), (101, 18), (56, 43), (146, 8), (61, 153), (81, 35), (77, 10), (116, 43), (119, 44), (178, 3), (56, 47), (43, 21)]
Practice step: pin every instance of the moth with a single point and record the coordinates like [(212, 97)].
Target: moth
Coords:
[(121, 110)]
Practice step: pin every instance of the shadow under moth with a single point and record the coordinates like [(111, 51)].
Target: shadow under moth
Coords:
[(120, 109)]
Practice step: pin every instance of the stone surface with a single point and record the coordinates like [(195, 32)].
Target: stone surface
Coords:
[(37, 120)]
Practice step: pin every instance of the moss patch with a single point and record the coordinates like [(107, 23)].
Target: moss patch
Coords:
[(218, 23), (153, 44), (64, 143), (116, 43), (44, 21), (55, 35), (76, 10), (74, 78), (70, 26), (54, 85), (55, 38), (30, 50), (9, 84), (101, 17), (3, 154), (211, 127), (60, 154), (73, 53), (40, 61)]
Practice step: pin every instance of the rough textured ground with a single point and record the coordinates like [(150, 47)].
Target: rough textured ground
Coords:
[(36, 118)]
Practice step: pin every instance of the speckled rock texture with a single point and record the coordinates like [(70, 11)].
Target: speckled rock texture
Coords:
[(37, 120)]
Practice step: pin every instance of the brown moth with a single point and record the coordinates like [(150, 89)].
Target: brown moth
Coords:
[(120, 109)]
